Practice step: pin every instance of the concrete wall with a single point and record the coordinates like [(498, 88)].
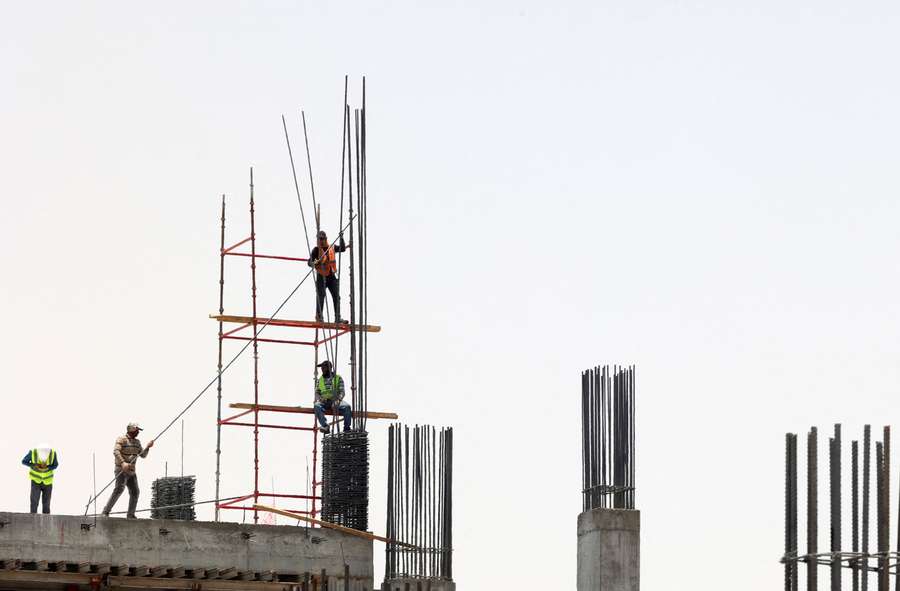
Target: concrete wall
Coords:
[(192, 544), (609, 550), (411, 584)]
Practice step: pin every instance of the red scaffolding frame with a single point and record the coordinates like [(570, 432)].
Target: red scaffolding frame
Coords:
[(255, 323)]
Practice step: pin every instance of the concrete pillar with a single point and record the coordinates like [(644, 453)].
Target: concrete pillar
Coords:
[(609, 550)]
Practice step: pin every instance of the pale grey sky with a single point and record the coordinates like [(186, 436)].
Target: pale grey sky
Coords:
[(705, 189)]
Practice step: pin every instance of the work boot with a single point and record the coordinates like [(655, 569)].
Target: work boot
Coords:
[(319, 318), (325, 430)]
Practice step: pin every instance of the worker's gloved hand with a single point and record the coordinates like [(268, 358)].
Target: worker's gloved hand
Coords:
[(41, 466), (126, 467), (149, 445)]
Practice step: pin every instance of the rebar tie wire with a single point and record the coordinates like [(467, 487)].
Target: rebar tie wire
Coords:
[(830, 557), (222, 372)]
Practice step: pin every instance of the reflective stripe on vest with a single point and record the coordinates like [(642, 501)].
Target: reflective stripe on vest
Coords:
[(36, 476), (328, 265), (325, 392)]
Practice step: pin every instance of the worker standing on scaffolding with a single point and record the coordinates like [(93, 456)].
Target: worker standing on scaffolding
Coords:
[(323, 259), (329, 395)]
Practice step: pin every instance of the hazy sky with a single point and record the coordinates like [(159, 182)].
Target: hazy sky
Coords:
[(707, 190)]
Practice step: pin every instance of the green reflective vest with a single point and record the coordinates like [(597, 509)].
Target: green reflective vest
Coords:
[(326, 393), (45, 477)]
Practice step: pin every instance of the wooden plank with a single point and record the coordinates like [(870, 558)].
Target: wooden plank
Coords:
[(103, 568), (268, 575), (329, 525), (295, 323), (306, 410), (126, 583), (246, 575), (212, 573), (198, 573), (140, 571), (41, 565), (176, 572), (228, 573), (159, 571), (10, 579), (11, 564), (84, 567)]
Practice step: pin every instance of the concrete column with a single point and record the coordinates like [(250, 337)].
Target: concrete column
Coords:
[(609, 550)]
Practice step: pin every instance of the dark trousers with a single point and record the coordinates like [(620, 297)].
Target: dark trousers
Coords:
[(331, 282), (41, 492), (123, 480)]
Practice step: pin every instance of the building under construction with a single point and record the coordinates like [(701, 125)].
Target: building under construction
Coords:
[(332, 546)]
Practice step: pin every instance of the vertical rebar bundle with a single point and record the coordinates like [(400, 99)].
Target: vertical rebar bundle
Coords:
[(607, 430), (355, 151), (420, 503), (858, 559), (345, 479), (173, 498)]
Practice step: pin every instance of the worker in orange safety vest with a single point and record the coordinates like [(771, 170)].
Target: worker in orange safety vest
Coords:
[(322, 258)]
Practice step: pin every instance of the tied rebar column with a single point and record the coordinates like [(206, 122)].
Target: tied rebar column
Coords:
[(173, 498), (607, 428), (855, 554), (345, 479), (420, 505)]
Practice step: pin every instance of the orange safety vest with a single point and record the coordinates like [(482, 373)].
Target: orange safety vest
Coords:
[(328, 265)]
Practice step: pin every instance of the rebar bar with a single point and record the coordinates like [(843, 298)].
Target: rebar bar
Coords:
[(854, 508), (608, 438), (790, 512), (835, 460), (812, 507)]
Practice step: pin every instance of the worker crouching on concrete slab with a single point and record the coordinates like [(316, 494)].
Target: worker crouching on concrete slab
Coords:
[(330, 394), (41, 462), (126, 452)]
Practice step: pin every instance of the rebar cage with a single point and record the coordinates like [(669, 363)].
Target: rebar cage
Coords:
[(607, 429)]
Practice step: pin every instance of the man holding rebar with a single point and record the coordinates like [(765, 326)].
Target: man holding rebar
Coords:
[(322, 258), (126, 452), (330, 395)]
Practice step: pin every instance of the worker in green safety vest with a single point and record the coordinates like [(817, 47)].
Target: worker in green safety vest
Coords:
[(330, 395), (41, 462)]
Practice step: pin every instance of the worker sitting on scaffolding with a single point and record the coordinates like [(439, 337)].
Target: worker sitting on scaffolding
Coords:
[(323, 259), (330, 395)]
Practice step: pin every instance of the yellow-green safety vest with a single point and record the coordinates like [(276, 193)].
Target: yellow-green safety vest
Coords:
[(325, 392), (45, 477)]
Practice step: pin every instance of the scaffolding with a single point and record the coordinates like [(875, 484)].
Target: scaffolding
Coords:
[(249, 413), (325, 333)]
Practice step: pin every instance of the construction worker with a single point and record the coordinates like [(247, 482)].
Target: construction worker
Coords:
[(322, 258), (125, 453), (41, 462), (329, 395)]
